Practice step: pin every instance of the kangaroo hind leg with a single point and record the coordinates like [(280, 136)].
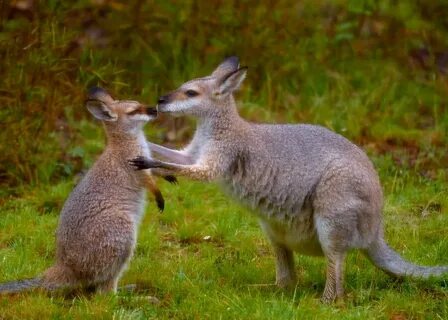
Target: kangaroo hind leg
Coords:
[(59, 277), (335, 248), (284, 266), (109, 285)]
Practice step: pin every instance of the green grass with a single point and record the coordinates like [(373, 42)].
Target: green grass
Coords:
[(231, 275), (366, 69)]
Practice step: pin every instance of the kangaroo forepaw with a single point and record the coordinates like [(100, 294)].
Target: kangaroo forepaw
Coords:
[(171, 179), (141, 163)]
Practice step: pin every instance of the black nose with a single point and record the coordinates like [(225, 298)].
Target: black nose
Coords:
[(162, 99), (151, 111)]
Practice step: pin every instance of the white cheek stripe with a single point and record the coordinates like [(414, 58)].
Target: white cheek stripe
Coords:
[(141, 117), (183, 105)]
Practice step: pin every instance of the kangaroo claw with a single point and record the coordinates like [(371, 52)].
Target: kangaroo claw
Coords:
[(171, 179), (140, 163)]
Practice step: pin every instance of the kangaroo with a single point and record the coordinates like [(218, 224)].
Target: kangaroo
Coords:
[(98, 224), (313, 190)]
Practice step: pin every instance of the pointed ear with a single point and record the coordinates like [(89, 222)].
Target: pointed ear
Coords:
[(232, 81), (97, 93), (100, 110), (229, 65)]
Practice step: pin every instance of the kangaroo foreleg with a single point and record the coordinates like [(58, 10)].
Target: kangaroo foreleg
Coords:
[(195, 171), (175, 156)]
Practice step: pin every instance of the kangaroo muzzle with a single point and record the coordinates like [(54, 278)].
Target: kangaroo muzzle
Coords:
[(151, 111), (163, 101)]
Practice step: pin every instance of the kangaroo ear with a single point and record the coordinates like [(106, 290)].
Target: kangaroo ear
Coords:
[(229, 65), (100, 110), (232, 81), (97, 93)]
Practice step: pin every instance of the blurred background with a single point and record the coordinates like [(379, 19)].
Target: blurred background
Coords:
[(374, 71)]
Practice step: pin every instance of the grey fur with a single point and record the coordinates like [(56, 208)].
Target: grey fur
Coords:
[(313, 190), (98, 225), (20, 285)]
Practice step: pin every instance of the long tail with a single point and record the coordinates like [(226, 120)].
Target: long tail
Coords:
[(20, 285), (392, 263)]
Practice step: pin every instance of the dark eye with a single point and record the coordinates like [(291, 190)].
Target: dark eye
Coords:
[(133, 112), (191, 93), (136, 111)]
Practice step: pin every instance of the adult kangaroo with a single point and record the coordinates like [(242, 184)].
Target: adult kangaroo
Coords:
[(314, 191)]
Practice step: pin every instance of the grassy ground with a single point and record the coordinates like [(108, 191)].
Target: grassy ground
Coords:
[(231, 274), (372, 71)]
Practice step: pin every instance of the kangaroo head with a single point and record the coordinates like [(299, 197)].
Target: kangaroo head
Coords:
[(118, 116), (204, 96)]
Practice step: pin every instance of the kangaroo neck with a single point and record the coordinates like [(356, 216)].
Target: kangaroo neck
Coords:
[(224, 121), (125, 143)]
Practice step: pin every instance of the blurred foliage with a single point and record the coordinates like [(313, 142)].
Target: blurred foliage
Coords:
[(375, 71)]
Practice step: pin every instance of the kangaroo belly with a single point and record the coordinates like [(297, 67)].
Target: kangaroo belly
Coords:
[(283, 224), (100, 251), (298, 234), (280, 198), (97, 245)]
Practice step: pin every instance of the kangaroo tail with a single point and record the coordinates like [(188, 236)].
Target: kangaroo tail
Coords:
[(20, 285), (392, 263)]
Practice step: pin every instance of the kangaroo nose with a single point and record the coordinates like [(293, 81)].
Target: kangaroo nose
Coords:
[(151, 111), (162, 99)]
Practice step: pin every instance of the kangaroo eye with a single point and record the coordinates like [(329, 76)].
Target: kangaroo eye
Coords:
[(136, 111), (191, 93), (139, 110)]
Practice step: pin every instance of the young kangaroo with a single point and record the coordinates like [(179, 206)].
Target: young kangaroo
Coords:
[(314, 191), (98, 224)]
